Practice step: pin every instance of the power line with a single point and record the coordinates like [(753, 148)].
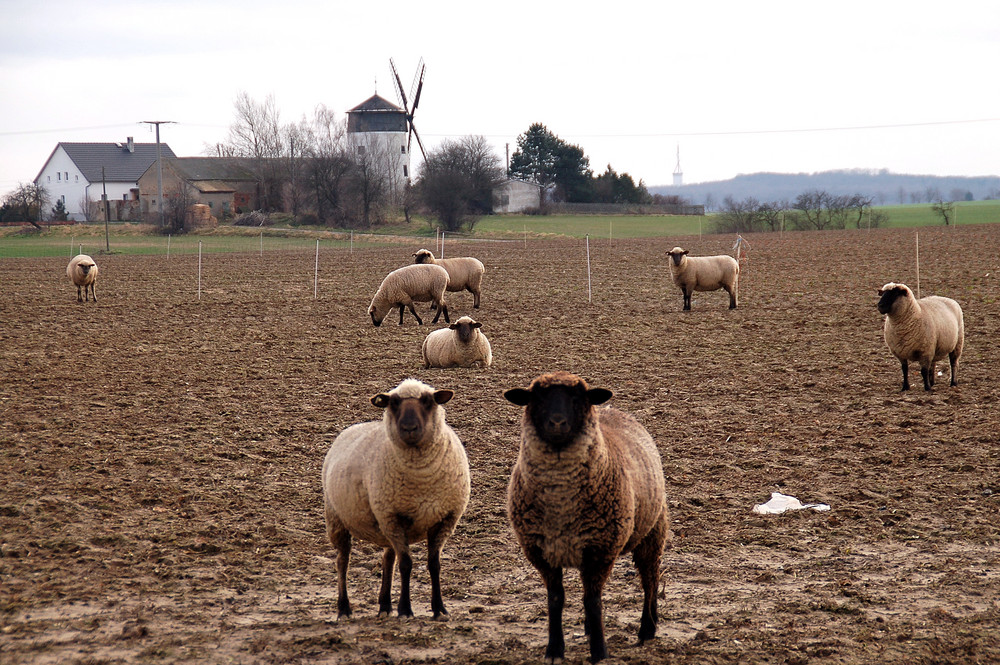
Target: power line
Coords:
[(901, 125)]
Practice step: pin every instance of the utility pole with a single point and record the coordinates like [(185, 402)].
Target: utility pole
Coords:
[(159, 165), (107, 211)]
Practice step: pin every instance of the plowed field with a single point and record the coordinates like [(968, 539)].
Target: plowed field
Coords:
[(160, 455)]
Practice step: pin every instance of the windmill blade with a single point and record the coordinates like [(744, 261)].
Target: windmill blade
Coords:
[(399, 86), (414, 132), (416, 98), (418, 78)]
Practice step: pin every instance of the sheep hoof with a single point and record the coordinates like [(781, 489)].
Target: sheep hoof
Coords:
[(441, 617)]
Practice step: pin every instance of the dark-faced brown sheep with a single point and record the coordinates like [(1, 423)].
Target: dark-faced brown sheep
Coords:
[(587, 487)]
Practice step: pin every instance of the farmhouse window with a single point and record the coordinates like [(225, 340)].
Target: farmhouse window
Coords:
[(59, 176)]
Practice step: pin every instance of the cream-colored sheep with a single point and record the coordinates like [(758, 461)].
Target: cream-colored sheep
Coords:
[(704, 273), (924, 330), (464, 272), (404, 286), (462, 344), (82, 270), (394, 482), (586, 488)]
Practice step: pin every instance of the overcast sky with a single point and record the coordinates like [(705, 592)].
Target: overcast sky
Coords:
[(740, 87)]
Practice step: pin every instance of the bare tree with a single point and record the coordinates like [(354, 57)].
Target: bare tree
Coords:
[(326, 167), (737, 216), (945, 209), (256, 134), (26, 202), (457, 182)]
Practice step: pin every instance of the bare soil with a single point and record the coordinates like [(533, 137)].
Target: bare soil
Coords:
[(160, 454)]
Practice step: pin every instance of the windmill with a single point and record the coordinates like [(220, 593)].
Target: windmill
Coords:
[(415, 88)]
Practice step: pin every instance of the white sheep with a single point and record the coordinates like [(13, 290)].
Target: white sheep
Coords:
[(923, 331), (704, 273), (404, 286), (462, 344), (587, 487), (394, 482), (465, 273), (82, 270)]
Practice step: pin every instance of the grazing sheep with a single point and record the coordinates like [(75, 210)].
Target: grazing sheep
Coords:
[(704, 273), (461, 344), (394, 482), (587, 487), (924, 330), (464, 272), (83, 271), (409, 284)]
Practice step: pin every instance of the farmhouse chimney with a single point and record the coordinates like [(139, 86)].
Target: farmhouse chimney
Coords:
[(131, 144)]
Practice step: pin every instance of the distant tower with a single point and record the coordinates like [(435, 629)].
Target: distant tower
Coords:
[(376, 125), (678, 173)]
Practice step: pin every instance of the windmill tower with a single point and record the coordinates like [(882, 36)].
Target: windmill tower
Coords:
[(678, 173), (382, 132)]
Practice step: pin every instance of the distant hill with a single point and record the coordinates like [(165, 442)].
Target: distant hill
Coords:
[(884, 187)]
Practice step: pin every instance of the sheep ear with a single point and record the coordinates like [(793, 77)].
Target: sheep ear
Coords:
[(879, 292), (477, 324), (454, 326), (442, 396), (518, 396), (685, 252), (381, 400), (598, 395)]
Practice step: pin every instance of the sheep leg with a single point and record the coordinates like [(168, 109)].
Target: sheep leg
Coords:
[(385, 590), (475, 298), (93, 292), (927, 374), (906, 374), (340, 538), (79, 296), (953, 361), (647, 560), (594, 573), (395, 532), (435, 540), (687, 299), (732, 296), (443, 308), (413, 310)]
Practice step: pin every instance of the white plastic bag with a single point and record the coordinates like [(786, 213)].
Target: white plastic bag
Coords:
[(779, 503)]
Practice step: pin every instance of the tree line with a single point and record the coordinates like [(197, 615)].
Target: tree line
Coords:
[(813, 210)]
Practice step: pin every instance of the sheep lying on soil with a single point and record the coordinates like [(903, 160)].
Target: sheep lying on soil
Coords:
[(461, 344), (464, 273), (409, 284), (704, 273), (394, 482), (587, 486), (924, 330), (83, 272)]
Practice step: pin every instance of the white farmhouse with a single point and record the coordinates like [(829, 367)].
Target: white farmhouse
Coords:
[(79, 173)]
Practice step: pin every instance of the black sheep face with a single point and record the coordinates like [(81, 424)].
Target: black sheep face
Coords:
[(558, 410), (889, 297)]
